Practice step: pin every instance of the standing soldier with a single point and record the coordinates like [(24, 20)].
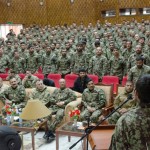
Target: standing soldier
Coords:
[(79, 59), (98, 64), (32, 60), (117, 65), (93, 100), (63, 63), (49, 62)]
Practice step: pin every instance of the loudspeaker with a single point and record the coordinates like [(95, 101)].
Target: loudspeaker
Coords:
[(9, 139)]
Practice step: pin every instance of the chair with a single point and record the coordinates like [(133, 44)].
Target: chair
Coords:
[(40, 76), (55, 78), (94, 78), (22, 75), (111, 80), (70, 78), (3, 76), (124, 80), (40, 70)]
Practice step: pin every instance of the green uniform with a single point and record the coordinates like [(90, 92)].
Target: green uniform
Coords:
[(42, 95), (60, 95), (98, 66), (132, 130), (135, 73), (117, 102), (4, 61), (30, 82), (17, 77), (95, 99)]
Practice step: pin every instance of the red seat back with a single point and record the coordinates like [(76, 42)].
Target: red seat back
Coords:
[(3, 76), (111, 80), (70, 78), (40, 70), (40, 76), (124, 80), (94, 78), (22, 75), (55, 78)]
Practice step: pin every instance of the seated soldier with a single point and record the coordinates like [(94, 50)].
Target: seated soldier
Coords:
[(12, 74), (81, 82), (41, 92), (119, 100), (59, 99), (29, 80), (93, 100), (3, 86), (14, 94)]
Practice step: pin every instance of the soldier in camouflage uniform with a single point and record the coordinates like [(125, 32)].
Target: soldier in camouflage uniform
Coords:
[(117, 65), (138, 70), (132, 129), (98, 64), (79, 59), (41, 92), (4, 61), (3, 86), (32, 60), (93, 100), (63, 63), (14, 94), (49, 61), (120, 99), (29, 80), (59, 99)]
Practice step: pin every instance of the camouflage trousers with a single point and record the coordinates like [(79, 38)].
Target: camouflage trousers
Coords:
[(114, 118), (55, 119), (94, 116)]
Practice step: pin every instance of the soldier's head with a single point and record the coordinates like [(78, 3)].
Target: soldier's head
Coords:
[(138, 49), (53, 45), (139, 62), (115, 51), (9, 44), (129, 86), (97, 43), (28, 73), (142, 40), (16, 54), (31, 49), (136, 37), (13, 82), (129, 44), (90, 85), (12, 73), (1, 82), (67, 45), (48, 49), (62, 83), (99, 51), (39, 85), (143, 89), (82, 72), (80, 47), (63, 51), (111, 45)]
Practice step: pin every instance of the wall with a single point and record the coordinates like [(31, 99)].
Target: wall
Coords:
[(62, 11)]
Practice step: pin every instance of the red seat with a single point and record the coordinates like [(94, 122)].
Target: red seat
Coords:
[(94, 78), (55, 78), (3, 76), (111, 80), (70, 78), (22, 75), (124, 80), (40, 70), (39, 75), (6, 70)]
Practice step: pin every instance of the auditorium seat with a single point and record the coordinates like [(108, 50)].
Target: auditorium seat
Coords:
[(3, 76), (107, 80), (94, 78), (40, 70), (22, 76), (70, 78), (55, 78), (124, 80), (39, 75)]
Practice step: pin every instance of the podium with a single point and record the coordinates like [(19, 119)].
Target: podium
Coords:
[(100, 138)]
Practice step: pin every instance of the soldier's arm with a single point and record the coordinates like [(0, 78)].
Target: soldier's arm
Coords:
[(90, 66), (105, 64), (117, 101), (102, 99), (21, 94), (53, 98), (71, 97), (84, 100), (130, 75)]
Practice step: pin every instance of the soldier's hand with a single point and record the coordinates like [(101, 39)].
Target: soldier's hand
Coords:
[(123, 110), (60, 103), (89, 109)]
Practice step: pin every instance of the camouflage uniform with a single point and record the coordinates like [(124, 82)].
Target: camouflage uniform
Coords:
[(17, 77), (136, 73), (15, 95), (49, 63), (98, 66), (18, 65), (60, 95), (117, 67), (42, 95), (63, 65), (30, 82), (3, 88), (79, 61), (132, 130), (4, 61), (117, 102), (96, 99)]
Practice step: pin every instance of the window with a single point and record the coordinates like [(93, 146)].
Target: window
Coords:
[(127, 11), (108, 13)]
